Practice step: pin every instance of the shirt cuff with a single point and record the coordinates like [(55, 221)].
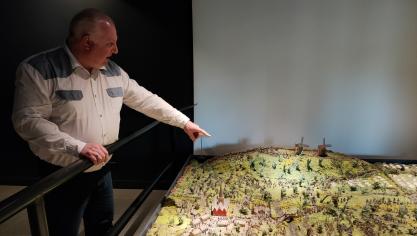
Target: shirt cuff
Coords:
[(183, 121), (80, 146)]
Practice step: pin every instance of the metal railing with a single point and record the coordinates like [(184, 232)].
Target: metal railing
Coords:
[(31, 197)]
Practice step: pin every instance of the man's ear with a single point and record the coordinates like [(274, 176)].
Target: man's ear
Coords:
[(86, 43)]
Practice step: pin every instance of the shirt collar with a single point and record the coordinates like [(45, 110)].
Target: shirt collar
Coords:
[(74, 62)]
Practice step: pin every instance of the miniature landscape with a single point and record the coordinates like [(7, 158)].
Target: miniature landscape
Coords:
[(279, 191)]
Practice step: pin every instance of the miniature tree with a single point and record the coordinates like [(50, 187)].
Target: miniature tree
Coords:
[(243, 211), (283, 193), (309, 165), (335, 201), (353, 188), (305, 194), (313, 200), (252, 166), (294, 189), (321, 163), (305, 202), (376, 185), (320, 229), (366, 211), (388, 217), (180, 221), (267, 196), (402, 212)]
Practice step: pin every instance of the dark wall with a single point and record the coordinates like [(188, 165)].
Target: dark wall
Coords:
[(155, 48)]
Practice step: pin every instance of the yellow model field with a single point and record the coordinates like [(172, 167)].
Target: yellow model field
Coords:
[(272, 191)]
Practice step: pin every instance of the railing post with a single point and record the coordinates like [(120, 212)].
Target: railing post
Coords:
[(37, 218)]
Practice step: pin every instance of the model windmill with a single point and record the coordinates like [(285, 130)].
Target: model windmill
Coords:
[(322, 149), (299, 147)]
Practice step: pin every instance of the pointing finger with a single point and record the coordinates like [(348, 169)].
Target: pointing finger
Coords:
[(205, 133)]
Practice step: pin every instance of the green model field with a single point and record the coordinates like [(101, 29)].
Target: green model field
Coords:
[(272, 191)]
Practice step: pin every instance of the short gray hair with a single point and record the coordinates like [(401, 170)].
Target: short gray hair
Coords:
[(85, 21)]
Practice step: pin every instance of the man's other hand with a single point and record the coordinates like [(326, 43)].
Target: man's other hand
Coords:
[(96, 153)]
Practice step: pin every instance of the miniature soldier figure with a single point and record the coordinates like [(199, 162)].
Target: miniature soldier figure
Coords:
[(322, 149)]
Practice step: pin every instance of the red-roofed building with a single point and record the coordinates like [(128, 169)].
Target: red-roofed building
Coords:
[(219, 207)]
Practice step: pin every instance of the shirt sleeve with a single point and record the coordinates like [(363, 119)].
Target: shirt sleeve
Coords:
[(31, 110), (150, 104)]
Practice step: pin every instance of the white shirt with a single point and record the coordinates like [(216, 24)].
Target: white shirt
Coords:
[(59, 106)]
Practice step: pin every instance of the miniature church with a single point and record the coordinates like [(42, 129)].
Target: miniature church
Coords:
[(219, 206)]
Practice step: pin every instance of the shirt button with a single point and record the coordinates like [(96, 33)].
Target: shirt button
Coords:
[(101, 115)]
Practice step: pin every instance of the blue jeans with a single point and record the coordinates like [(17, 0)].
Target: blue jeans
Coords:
[(88, 196)]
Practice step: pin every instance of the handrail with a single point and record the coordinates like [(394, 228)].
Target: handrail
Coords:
[(134, 206), (20, 200)]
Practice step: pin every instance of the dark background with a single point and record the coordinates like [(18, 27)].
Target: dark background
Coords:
[(155, 48)]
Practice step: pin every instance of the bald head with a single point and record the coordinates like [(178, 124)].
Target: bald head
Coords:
[(92, 38), (87, 22)]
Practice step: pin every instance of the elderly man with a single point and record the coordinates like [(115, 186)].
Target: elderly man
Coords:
[(67, 104)]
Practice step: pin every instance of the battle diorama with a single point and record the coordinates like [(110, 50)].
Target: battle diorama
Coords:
[(290, 191)]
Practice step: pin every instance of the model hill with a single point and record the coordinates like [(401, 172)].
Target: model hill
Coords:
[(273, 191)]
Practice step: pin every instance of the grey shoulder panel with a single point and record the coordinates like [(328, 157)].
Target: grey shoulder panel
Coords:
[(112, 69), (52, 64)]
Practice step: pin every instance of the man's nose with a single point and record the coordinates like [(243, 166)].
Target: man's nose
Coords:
[(115, 49)]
